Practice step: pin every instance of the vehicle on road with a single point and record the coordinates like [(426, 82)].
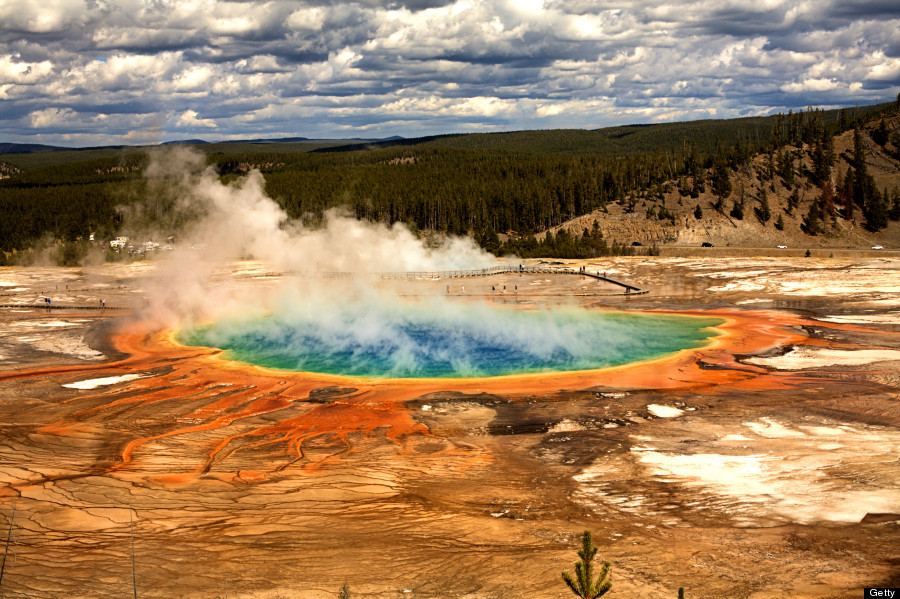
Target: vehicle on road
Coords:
[(782, 247), (877, 247)]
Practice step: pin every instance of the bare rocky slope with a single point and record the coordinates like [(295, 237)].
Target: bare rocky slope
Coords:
[(721, 229)]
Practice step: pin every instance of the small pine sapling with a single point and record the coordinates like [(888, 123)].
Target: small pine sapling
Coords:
[(583, 583)]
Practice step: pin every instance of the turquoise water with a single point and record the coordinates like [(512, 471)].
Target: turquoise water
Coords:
[(458, 341)]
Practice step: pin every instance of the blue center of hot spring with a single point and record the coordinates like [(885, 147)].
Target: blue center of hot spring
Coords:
[(411, 341)]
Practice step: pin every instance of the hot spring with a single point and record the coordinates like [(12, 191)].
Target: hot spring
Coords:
[(425, 341)]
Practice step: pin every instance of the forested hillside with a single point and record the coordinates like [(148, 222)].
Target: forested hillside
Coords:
[(596, 192)]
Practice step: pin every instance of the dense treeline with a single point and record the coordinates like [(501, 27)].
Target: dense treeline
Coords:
[(562, 244), (514, 184), (624, 140), (458, 191), (854, 191), (68, 201)]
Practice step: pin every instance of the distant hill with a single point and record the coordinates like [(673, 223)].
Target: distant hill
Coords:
[(28, 156), (809, 179), (619, 140), (282, 140), (274, 140), (12, 148), (185, 142), (765, 208)]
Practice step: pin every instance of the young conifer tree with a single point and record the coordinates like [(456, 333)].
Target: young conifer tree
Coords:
[(583, 583)]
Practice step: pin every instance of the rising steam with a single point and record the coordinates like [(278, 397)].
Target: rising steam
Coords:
[(239, 221), (307, 320)]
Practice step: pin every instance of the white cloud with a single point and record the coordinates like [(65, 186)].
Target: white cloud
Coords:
[(311, 68), (189, 120), (192, 79), (48, 117), (882, 68), (13, 70), (306, 19), (817, 85), (46, 16), (484, 106)]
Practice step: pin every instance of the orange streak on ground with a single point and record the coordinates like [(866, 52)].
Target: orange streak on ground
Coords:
[(378, 403), (233, 397)]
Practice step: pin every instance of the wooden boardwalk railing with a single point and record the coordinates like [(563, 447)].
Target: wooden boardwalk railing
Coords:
[(500, 270), (423, 274)]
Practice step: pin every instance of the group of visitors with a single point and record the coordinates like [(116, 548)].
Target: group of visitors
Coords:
[(515, 289)]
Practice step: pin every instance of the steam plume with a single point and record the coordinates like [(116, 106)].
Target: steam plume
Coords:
[(350, 325), (238, 220)]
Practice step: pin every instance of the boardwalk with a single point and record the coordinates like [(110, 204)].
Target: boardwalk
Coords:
[(501, 270), (627, 288), (44, 306)]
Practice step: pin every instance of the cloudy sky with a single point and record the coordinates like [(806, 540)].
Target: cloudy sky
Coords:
[(87, 72)]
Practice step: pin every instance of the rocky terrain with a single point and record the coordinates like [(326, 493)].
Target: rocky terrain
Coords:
[(721, 229), (762, 466)]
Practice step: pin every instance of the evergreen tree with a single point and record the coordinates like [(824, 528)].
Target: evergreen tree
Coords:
[(770, 167), (693, 168), (344, 593), (793, 201), (880, 135), (698, 212), (779, 223), (875, 211), (763, 213), (721, 183), (821, 164), (894, 212), (859, 154), (827, 199), (786, 168), (863, 190), (737, 211), (857, 184), (812, 222), (719, 205), (844, 186), (583, 583)]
